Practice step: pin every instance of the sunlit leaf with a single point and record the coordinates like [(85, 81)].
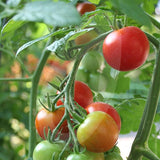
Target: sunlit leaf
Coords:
[(52, 13)]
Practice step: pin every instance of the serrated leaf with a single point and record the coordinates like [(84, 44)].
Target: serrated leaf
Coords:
[(52, 13), (131, 113), (94, 1), (60, 46), (133, 10), (11, 26), (37, 40)]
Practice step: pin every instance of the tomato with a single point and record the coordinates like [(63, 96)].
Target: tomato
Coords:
[(126, 49), (97, 82), (85, 7), (113, 156), (104, 107), (98, 133), (86, 156), (46, 119), (82, 94), (86, 37), (45, 150), (82, 75), (92, 61)]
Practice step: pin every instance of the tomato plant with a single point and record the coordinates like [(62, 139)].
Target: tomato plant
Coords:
[(126, 49), (98, 133), (86, 155), (104, 107), (85, 7), (46, 150), (47, 119)]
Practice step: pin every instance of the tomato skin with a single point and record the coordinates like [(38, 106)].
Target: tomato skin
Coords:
[(98, 133), (45, 119), (45, 150), (82, 94), (85, 7), (86, 156), (126, 49), (97, 82), (104, 107), (92, 61), (86, 37)]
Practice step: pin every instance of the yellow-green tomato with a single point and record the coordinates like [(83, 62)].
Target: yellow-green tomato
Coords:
[(45, 150), (98, 133), (86, 156)]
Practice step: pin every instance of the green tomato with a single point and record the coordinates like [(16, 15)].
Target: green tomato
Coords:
[(46, 150), (113, 156), (82, 75), (92, 61), (97, 82), (86, 156)]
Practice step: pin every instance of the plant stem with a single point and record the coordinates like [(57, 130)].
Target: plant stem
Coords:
[(33, 98), (17, 79), (144, 130)]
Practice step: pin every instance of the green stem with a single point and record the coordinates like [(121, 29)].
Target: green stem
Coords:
[(144, 130), (33, 98), (17, 79)]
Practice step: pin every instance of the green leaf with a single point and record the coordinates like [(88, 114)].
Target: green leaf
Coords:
[(133, 10), (13, 3), (11, 26), (52, 13), (131, 112), (38, 39), (94, 1), (149, 5), (60, 46)]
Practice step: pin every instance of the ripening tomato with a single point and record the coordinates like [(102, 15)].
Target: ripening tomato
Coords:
[(98, 133), (82, 94), (46, 150), (86, 37), (46, 119), (104, 107), (126, 49), (85, 7), (86, 156)]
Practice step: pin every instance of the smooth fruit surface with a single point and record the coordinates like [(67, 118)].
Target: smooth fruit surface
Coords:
[(98, 133), (126, 49)]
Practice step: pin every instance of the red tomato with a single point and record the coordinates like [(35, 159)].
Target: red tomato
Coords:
[(85, 7), (104, 107), (45, 119), (126, 49), (98, 133), (82, 94)]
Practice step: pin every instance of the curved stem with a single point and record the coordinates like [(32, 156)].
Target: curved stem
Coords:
[(143, 133), (33, 98)]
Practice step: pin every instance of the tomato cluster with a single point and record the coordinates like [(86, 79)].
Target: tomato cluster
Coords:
[(124, 50)]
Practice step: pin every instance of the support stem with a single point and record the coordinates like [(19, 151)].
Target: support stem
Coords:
[(141, 139)]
